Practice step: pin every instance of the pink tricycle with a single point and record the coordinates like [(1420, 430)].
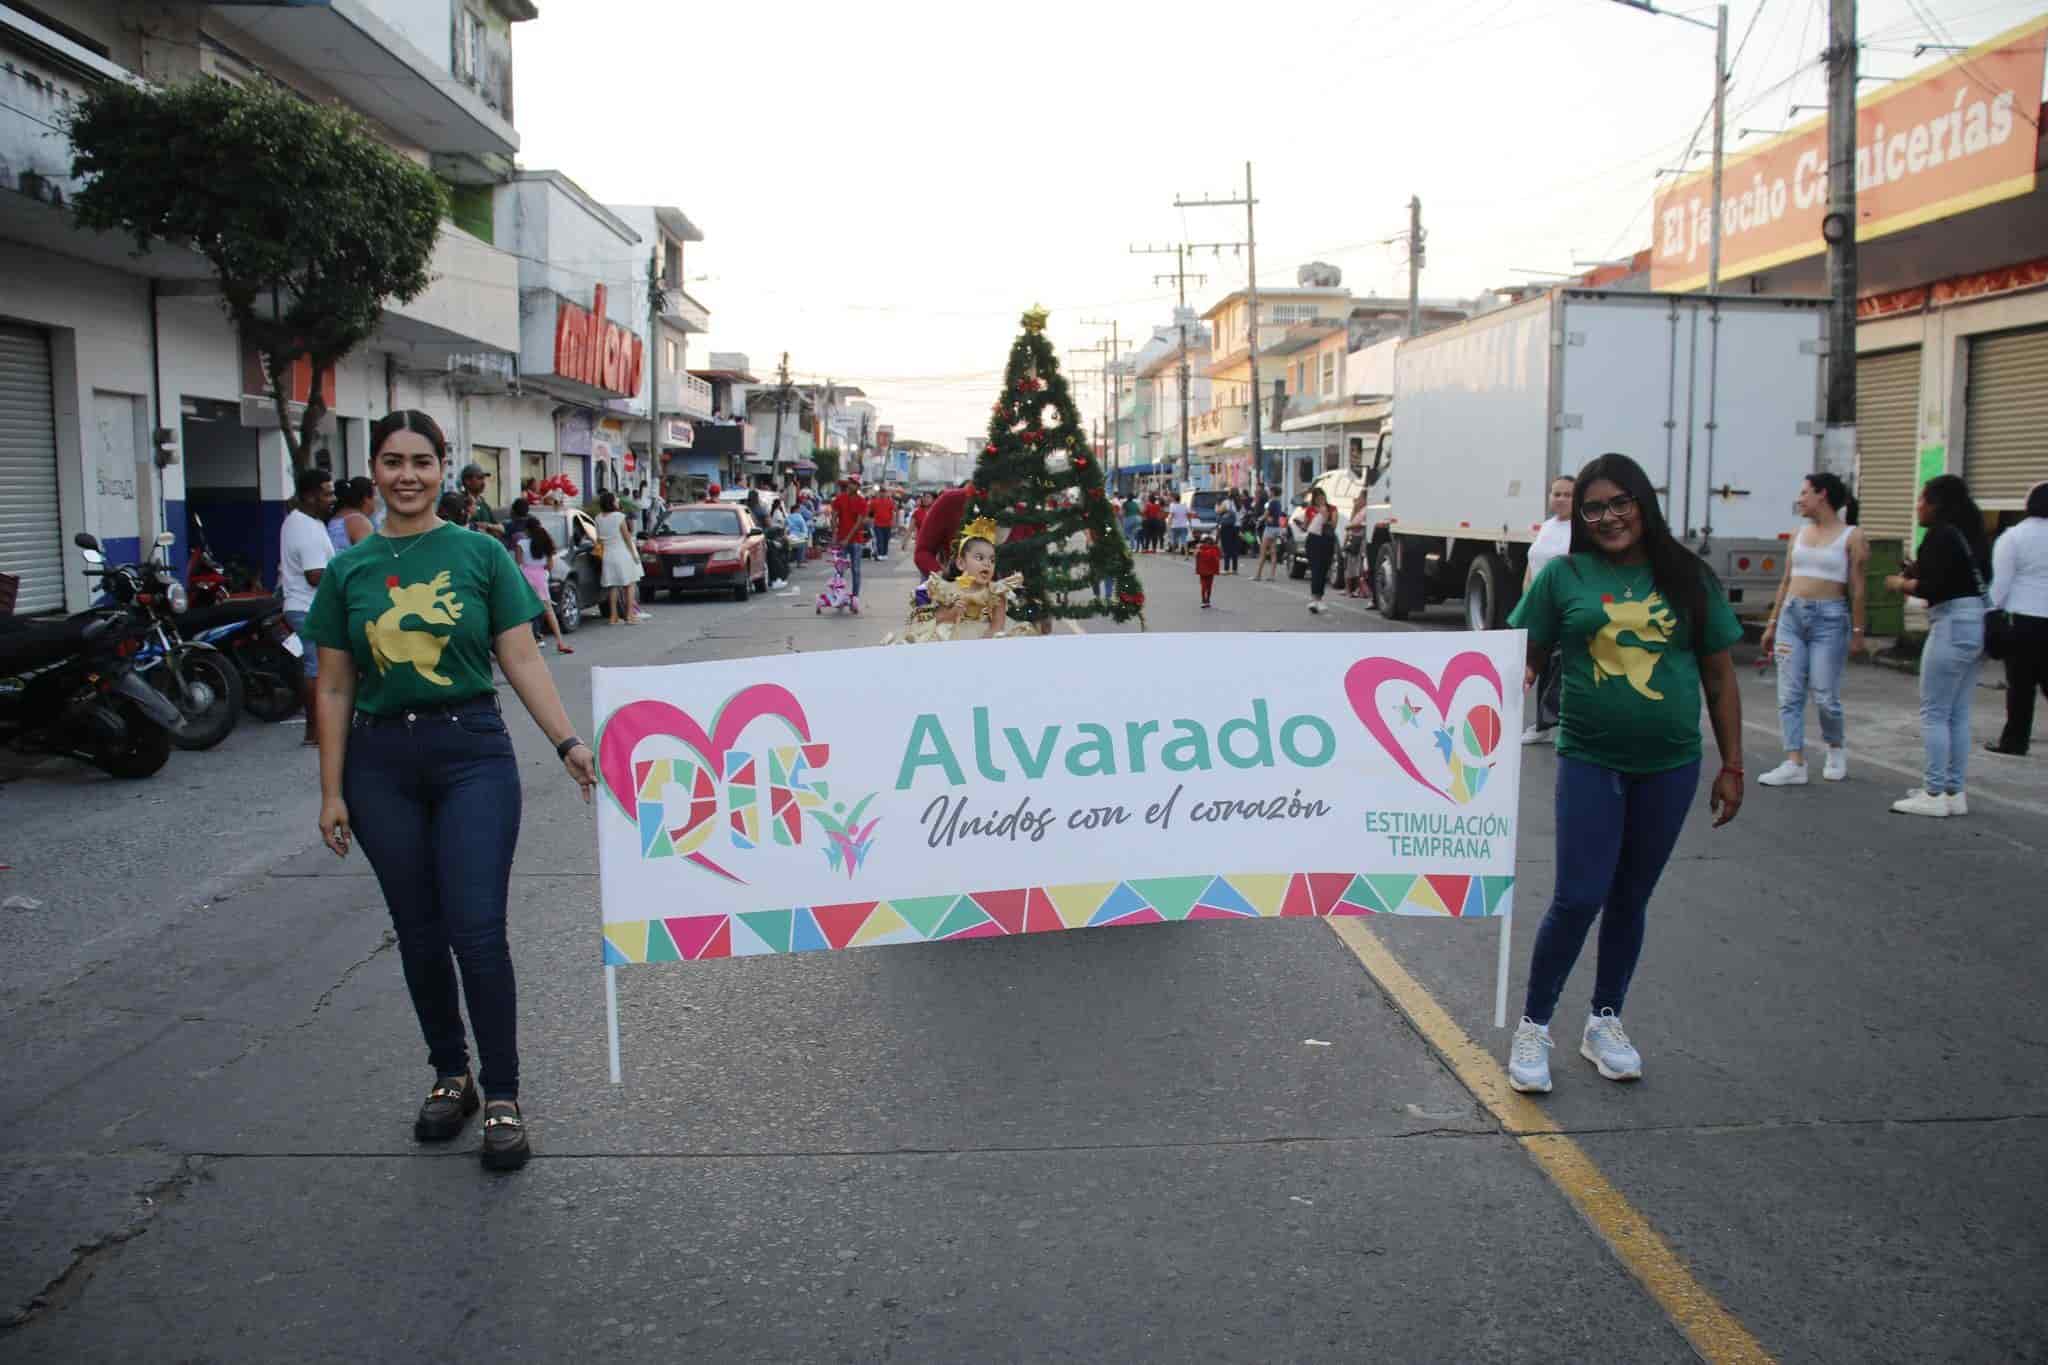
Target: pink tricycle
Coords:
[(838, 593)]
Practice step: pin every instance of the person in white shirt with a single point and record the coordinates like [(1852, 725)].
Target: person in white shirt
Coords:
[(1177, 527), (303, 551), (1553, 541), (2019, 587)]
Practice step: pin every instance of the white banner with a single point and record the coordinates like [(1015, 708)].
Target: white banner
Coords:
[(906, 795)]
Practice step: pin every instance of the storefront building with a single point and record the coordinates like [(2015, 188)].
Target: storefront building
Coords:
[(1952, 231)]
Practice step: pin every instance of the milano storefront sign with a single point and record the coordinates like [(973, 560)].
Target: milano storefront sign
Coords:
[(591, 350), (1952, 138)]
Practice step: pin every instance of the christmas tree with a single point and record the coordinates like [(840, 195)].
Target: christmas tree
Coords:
[(1040, 482)]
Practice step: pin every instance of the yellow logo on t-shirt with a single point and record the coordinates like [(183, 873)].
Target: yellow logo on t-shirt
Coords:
[(391, 643), (1648, 620)]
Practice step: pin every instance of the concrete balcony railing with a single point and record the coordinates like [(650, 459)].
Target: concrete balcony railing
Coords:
[(684, 311), (685, 393), (1217, 425), (473, 300)]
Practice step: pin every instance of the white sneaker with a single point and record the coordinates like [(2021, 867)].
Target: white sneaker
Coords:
[(1608, 1048), (1529, 1058), (1315, 607), (1786, 774), (778, 585), (1958, 804), (1918, 802), (1532, 735), (1837, 766)]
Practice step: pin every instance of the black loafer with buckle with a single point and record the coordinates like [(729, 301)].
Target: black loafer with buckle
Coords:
[(446, 1109), (505, 1147)]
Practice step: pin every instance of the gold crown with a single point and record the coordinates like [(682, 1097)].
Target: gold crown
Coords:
[(981, 528)]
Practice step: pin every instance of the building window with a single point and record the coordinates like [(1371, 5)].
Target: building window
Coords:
[(469, 45), (671, 264), (1329, 372)]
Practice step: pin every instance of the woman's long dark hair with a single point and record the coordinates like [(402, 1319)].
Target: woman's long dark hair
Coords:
[(1831, 487), (1953, 506), (538, 542), (1680, 575)]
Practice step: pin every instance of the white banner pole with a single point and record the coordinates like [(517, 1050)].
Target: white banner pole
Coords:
[(1500, 971), (611, 1016)]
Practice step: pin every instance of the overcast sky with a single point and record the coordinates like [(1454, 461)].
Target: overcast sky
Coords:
[(883, 188)]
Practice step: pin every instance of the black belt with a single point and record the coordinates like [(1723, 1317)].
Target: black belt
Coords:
[(443, 710)]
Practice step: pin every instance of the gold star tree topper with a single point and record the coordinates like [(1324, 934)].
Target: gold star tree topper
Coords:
[(1035, 318)]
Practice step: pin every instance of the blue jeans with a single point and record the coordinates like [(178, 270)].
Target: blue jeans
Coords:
[(1131, 525), (1615, 832), (435, 805), (1177, 539), (882, 541), (853, 556), (1813, 648), (1948, 681)]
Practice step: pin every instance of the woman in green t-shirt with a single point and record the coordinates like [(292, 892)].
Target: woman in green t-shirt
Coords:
[(1642, 627), (415, 762)]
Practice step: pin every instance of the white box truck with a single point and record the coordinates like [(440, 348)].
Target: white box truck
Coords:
[(1719, 398)]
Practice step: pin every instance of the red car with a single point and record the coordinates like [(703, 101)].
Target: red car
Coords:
[(705, 547)]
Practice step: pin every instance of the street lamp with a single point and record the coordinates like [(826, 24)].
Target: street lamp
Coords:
[(1720, 27)]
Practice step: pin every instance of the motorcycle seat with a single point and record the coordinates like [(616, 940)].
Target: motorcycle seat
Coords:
[(196, 619), (28, 642)]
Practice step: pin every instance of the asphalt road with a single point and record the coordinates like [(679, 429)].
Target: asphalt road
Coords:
[(1087, 1146)]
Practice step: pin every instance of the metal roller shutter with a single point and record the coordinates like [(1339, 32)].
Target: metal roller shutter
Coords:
[(31, 538), (1887, 440), (2005, 422)]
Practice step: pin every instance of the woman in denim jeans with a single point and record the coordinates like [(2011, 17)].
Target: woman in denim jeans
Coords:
[(1644, 628), (1816, 624), (1951, 573), (415, 762)]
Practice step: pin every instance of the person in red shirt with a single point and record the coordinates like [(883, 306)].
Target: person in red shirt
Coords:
[(850, 526), (882, 511), (1208, 560)]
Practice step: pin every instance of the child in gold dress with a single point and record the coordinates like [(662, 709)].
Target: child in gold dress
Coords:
[(974, 603)]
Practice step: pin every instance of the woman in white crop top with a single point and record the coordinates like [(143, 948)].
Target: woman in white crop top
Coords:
[(1816, 624)]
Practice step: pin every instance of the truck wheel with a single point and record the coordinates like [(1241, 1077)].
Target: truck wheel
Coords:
[(569, 609), (1388, 584), (1486, 604)]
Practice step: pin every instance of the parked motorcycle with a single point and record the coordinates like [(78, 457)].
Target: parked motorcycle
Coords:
[(198, 679), (265, 650), (70, 687)]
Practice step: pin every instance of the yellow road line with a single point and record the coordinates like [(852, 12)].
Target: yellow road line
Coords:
[(1713, 1331)]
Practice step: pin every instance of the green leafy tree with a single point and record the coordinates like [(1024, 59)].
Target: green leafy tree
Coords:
[(310, 223), (1038, 479), (826, 458)]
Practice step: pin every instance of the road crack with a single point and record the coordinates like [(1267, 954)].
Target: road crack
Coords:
[(88, 1257)]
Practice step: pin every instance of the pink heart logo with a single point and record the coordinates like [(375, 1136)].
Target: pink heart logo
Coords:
[(1363, 680), (624, 730)]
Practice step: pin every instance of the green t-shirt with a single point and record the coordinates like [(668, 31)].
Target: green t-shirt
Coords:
[(420, 623), (1631, 693)]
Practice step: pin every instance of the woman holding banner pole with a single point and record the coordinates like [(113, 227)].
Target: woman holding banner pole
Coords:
[(1643, 628), (415, 761)]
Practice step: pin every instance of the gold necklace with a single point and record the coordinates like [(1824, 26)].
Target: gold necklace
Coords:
[(411, 540), (1628, 593)]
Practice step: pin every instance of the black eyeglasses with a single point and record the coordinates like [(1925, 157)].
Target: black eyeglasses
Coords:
[(1596, 509)]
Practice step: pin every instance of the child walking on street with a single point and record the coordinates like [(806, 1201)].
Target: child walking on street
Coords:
[(1208, 559)]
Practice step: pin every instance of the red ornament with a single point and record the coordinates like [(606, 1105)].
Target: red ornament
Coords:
[(1018, 508), (1028, 385), (989, 449), (1080, 462)]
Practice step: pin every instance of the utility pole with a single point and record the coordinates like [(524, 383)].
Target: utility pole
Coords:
[(655, 301), (1101, 347), (1414, 265), (1838, 229), (1116, 383), (781, 406), (1251, 250), (1180, 317), (1720, 27)]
